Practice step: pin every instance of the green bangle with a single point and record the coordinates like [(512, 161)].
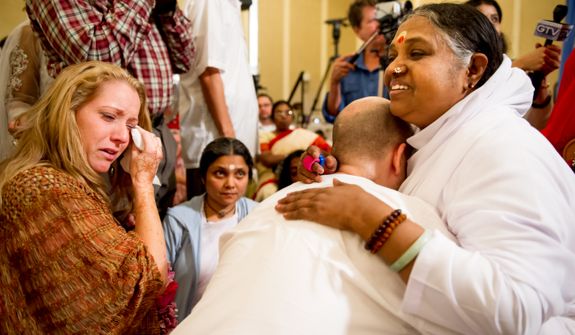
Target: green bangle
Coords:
[(412, 252)]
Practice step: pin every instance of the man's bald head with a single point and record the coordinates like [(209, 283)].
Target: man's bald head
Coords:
[(365, 129)]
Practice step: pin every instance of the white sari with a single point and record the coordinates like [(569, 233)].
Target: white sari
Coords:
[(509, 198)]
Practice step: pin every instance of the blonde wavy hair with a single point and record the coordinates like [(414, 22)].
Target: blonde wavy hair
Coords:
[(50, 135)]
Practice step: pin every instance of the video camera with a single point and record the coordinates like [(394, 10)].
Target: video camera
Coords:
[(389, 14)]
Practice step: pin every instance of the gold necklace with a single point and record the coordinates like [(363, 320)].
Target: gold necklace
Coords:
[(220, 213)]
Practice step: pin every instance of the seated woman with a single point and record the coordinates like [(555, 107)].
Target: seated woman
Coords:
[(193, 228), (276, 145), (67, 265), (497, 183)]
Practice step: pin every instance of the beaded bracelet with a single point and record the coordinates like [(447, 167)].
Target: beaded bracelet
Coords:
[(384, 231), (387, 233), (411, 252)]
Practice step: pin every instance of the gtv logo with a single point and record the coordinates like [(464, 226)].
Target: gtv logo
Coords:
[(552, 30)]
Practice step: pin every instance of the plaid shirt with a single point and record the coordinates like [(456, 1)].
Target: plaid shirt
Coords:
[(127, 32)]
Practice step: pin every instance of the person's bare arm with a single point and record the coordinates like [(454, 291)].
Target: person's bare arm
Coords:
[(341, 69), (546, 59), (143, 167), (213, 90), (541, 108)]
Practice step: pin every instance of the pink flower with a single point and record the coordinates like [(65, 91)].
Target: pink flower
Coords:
[(167, 306), (169, 294)]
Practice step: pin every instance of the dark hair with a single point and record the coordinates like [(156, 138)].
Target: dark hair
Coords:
[(477, 3), (284, 175), (224, 146), (467, 31), (278, 103), (355, 11)]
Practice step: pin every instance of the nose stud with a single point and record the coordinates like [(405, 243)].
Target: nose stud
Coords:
[(397, 70)]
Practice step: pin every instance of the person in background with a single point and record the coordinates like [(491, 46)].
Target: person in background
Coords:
[(67, 265), (153, 42), (497, 183), (193, 229), (321, 280), (353, 81), (545, 59), (288, 169), (23, 78), (276, 145), (217, 95), (265, 103)]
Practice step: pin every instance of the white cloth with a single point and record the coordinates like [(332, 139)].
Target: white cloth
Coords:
[(211, 233), (298, 277), (266, 127), (220, 43), (509, 199)]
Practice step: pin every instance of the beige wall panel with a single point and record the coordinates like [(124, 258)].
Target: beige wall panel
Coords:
[(305, 48), (348, 41), (309, 45), (12, 13), (271, 46)]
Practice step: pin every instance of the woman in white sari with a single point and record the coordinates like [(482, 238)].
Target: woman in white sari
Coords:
[(497, 183)]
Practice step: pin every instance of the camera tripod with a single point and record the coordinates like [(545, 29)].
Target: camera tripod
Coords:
[(335, 34)]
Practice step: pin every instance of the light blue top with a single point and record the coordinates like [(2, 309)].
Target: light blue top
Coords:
[(359, 83), (182, 231)]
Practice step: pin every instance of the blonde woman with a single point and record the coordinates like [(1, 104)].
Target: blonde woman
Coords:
[(66, 264)]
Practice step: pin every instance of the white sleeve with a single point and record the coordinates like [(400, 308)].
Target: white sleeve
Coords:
[(209, 24), (516, 264)]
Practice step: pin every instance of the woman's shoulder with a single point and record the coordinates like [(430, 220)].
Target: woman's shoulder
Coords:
[(186, 212), (41, 178), (29, 185)]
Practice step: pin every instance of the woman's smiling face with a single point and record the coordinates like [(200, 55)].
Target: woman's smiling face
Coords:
[(424, 77)]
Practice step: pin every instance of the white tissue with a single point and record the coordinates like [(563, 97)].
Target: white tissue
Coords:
[(137, 139)]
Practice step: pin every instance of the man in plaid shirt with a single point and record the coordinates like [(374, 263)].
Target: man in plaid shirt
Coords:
[(151, 39)]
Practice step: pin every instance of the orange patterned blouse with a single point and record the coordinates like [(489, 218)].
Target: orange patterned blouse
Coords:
[(66, 266)]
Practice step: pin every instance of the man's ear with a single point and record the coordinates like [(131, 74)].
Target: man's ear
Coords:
[(398, 159), (476, 68)]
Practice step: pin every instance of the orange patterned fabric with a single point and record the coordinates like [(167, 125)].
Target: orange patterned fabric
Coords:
[(66, 266)]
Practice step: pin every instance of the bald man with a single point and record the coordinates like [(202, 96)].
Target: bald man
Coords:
[(298, 277)]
